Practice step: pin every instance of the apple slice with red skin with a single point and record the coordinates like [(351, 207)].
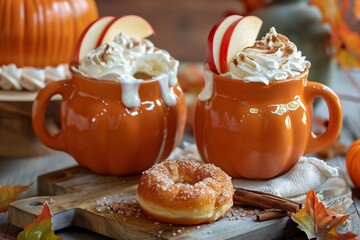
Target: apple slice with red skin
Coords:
[(130, 25), (89, 38), (240, 34), (214, 41)]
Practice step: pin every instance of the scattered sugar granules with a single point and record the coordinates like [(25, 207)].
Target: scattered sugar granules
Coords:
[(120, 204), (127, 207), (236, 213)]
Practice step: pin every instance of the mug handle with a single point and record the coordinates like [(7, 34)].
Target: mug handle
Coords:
[(52, 140), (318, 142)]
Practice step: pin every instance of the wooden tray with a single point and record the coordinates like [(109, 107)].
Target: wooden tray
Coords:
[(75, 191), (18, 138)]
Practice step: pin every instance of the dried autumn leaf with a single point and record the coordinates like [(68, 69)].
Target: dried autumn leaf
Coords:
[(344, 40), (348, 59), (40, 228), (356, 10), (319, 223), (330, 11), (8, 194), (349, 52)]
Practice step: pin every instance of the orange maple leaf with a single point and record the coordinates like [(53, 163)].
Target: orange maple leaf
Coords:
[(356, 10), (40, 228), (319, 223), (344, 41), (8, 194)]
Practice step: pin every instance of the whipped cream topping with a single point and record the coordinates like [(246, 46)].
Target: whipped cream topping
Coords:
[(57, 73), (30, 78), (10, 77), (131, 61), (273, 58)]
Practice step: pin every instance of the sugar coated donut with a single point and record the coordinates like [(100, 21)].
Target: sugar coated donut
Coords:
[(185, 192)]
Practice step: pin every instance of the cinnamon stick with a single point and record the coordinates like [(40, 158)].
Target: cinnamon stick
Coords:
[(244, 197), (268, 215)]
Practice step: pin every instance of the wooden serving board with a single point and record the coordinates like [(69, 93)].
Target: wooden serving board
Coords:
[(73, 194)]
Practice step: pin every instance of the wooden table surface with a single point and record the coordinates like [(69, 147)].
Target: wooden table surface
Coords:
[(26, 170)]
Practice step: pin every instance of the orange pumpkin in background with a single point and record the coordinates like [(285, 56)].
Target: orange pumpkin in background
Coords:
[(353, 163), (39, 33)]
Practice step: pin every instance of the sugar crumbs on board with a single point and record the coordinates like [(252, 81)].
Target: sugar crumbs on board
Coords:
[(119, 204), (237, 213), (127, 207)]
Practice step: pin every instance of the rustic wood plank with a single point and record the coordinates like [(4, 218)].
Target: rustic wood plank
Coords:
[(3, 224), (355, 212), (24, 171), (76, 191), (75, 233), (7, 231)]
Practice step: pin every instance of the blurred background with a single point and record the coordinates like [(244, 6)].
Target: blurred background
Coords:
[(314, 26), (181, 26)]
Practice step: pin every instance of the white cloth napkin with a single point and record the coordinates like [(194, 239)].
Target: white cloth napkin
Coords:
[(308, 173)]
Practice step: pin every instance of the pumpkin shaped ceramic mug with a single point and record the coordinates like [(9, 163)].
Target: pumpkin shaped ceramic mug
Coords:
[(113, 122), (255, 128)]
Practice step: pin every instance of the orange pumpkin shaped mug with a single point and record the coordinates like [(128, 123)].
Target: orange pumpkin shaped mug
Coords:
[(117, 127), (256, 128)]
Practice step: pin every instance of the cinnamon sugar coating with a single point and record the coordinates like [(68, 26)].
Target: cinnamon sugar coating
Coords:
[(185, 188)]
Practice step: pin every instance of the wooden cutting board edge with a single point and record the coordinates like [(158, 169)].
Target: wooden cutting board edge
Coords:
[(73, 207)]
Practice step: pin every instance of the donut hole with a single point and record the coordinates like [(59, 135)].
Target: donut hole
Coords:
[(185, 179)]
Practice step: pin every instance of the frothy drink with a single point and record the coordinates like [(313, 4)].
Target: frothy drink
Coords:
[(131, 61), (273, 58)]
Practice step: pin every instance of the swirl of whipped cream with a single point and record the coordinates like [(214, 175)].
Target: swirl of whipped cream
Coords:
[(273, 58), (57, 73), (10, 77), (135, 46), (125, 59), (106, 62), (122, 57), (30, 78)]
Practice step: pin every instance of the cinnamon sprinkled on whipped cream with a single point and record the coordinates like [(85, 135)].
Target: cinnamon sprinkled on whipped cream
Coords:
[(273, 58), (125, 60)]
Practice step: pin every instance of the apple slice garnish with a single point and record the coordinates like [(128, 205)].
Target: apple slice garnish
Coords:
[(214, 41), (240, 34), (130, 25), (89, 38)]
